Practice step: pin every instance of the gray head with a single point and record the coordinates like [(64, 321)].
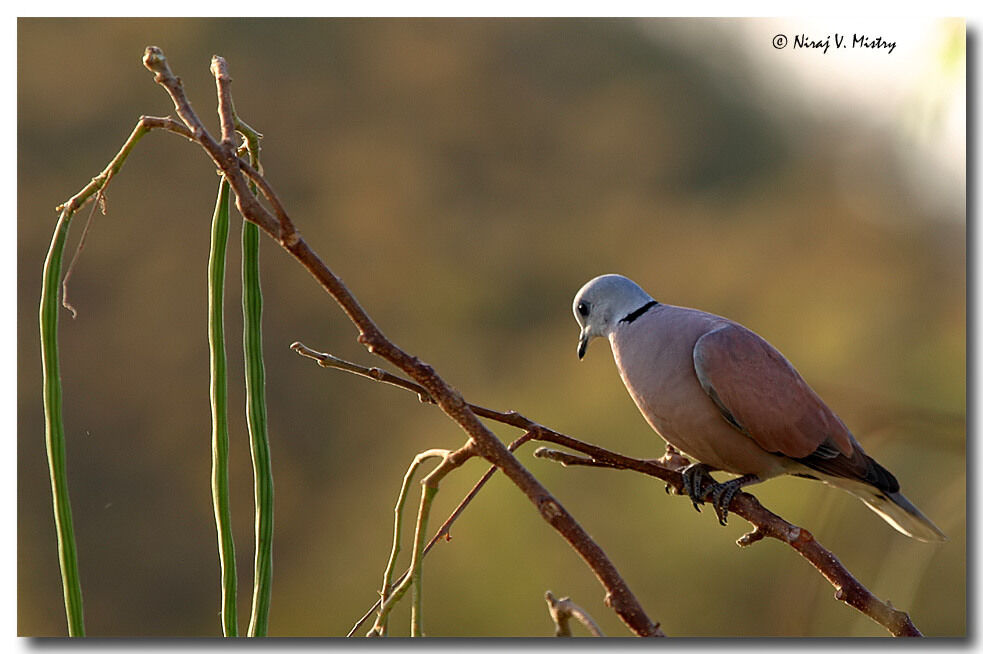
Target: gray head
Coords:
[(602, 303)]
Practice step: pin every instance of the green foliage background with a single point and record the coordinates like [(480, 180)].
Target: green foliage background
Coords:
[(465, 178)]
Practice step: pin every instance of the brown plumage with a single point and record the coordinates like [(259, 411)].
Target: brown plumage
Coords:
[(726, 398)]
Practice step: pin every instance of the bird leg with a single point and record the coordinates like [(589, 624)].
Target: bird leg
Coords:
[(722, 494)]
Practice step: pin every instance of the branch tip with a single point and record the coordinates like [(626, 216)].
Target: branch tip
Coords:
[(220, 68), (562, 609), (751, 537), (154, 59)]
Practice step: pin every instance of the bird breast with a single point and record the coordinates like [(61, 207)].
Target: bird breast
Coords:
[(654, 355)]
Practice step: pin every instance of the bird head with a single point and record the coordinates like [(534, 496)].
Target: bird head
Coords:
[(602, 303)]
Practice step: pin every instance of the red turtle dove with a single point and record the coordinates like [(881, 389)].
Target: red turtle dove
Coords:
[(728, 400)]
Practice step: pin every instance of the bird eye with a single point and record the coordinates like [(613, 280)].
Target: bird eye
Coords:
[(583, 309)]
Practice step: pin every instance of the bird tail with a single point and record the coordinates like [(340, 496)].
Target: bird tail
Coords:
[(876, 487), (898, 512)]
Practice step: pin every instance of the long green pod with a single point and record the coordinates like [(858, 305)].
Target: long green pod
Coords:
[(219, 402), (259, 444), (55, 431)]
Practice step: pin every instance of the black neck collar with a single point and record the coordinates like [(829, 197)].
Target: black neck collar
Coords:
[(634, 315)]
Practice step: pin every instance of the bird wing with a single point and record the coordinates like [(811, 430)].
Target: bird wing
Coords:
[(759, 392)]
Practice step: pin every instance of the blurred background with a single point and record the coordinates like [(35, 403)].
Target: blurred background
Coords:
[(465, 178)]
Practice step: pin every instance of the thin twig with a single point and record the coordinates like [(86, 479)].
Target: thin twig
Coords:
[(100, 202), (445, 529), (144, 125), (430, 484), (561, 610), (226, 113), (567, 459), (378, 374), (220, 69), (444, 532), (288, 233), (382, 621)]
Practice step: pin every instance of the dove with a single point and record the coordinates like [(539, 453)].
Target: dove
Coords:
[(731, 402)]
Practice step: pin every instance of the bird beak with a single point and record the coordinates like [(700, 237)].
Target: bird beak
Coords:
[(582, 344)]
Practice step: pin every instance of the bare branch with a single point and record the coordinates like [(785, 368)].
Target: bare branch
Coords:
[(567, 459), (445, 529), (246, 202), (764, 522), (226, 113), (156, 62), (378, 374), (288, 232)]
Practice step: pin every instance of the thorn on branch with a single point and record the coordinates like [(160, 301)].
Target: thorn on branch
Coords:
[(751, 537)]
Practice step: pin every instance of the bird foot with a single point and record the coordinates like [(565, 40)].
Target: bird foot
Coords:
[(693, 476), (721, 494)]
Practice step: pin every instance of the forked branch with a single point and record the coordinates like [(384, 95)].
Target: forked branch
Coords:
[(280, 228), (563, 609)]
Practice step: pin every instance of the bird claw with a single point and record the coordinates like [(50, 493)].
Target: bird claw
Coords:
[(721, 494), (693, 476)]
